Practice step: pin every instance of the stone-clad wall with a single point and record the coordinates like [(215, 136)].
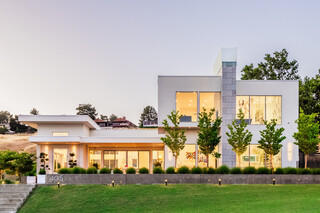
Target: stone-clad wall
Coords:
[(120, 179)]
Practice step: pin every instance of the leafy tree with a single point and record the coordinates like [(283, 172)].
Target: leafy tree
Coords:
[(4, 117), (87, 109), (34, 111), (112, 117), (208, 135), (6, 158), (104, 117), (307, 136), (149, 114), (239, 137), (18, 127), (271, 139), (22, 163), (175, 138), (3, 130), (309, 95), (276, 67)]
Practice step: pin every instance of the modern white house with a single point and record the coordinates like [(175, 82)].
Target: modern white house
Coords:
[(60, 135)]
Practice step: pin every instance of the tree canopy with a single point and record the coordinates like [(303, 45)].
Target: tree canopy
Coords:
[(149, 114), (112, 117), (4, 117), (34, 111), (87, 109), (276, 67)]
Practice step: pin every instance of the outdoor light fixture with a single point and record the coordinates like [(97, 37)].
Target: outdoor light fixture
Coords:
[(274, 181), (113, 183), (209, 180), (17, 182), (58, 184), (2, 182), (219, 182), (166, 181)]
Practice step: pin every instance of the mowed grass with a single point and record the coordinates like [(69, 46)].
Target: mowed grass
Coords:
[(174, 198)]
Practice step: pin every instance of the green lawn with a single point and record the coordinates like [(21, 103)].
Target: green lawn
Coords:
[(175, 198)]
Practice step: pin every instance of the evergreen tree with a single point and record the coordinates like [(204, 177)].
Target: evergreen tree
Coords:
[(87, 109), (149, 114)]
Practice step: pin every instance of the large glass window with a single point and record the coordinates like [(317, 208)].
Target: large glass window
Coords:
[(203, 160), (158, 158), (273, 108), (95, 158), (144, 159), (60, 159), (209, 100), (187, 156), (133, 159), (121, 159), (242, 102), (186, 104), (109, 159), (257, 109)]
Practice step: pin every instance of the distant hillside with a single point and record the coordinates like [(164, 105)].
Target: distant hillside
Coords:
[(17, 142)]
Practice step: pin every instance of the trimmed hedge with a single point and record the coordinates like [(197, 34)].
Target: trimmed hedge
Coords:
[(158, 170), (78, 170), (105, 171), (170, 170), (210, 170), (290, 170), (183, 170), (92, 170), (222, 170), (263, 170), (316, 171), (131, 170), (249, 170), (279, 171), (196, 170), (235, 170), (117, 171), (304, 171), (143, 170), (65, 171)]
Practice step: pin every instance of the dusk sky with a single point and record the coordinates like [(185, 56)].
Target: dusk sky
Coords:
[(57, 54)]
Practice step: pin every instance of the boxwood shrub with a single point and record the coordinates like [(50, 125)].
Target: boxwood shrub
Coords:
[(42, 172), (65, 171), (290, 170), (117, 171), (235, 170), (249, 170), (222, 170), (196, 170), (158, 170), (92, 170), (316, 171), (170, 170), (279, 171), (263, 170), (131, 170), (303, 171), (210, 170), (78, 170), (105, 171), (7, 181), (183, 170), (143, 170)]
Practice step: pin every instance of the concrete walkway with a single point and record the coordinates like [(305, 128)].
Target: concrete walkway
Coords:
[(12, 196)]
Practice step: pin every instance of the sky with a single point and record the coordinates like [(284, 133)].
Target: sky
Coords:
[(55, 55)]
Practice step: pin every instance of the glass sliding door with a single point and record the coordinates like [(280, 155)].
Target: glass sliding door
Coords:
[(121, 159), (133, 159), (158, 158), (95, 158), (144, 159), (109, 159), (60, 159)]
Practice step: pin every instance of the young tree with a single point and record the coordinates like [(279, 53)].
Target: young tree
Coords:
[(112, 117), (87, 109), (174, 139), (239, 137), (307, 136), (276, 67), (271, 139), (34, 111), (23, 163), (149, 114), (208, 135)]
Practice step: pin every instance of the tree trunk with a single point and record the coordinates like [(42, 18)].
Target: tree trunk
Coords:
[(271, 161), (306, 160), (207, 161), (239, 160), (175, 161)]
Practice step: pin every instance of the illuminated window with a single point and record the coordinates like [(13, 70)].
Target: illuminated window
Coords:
[(187, 156), (95, 158), (109, 159), (121, 159), (144, 159), (257, 109), (60, 134), (186, 104), (209, 100), (273, 108), (242, 102), (60, 159), (158, 158), (202, 160), (133, 159)]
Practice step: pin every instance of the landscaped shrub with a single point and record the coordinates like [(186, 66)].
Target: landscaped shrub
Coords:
[(249, 170), (76, 170), (316, 171), (117, 171), (290, 170), (235, 170), (210, 170), (279, 171), (131, 170), (144, 170), (183, 170), (170, 170), (158, 170), (204, 170), (263, 170), (222, 170), (7, 181), (92, 170), (42, 172), (303, 171), (105, 171), (65, 171), (196, 170)]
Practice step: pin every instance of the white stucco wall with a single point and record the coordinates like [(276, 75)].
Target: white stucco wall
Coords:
[(46, 129)]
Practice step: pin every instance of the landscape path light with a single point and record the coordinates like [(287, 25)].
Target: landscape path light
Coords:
[(166, 181), (219, 182), (113, 183), (58, 184), (274, 181)]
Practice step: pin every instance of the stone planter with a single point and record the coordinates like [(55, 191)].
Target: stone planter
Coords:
[(41, 179), (31, 180)]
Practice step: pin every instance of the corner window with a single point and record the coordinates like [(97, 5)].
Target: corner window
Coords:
[(60, 134), (209, 100), (273, 108), (186, 104)]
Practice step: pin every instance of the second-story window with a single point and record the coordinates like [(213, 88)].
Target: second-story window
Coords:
[(60, 134)]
